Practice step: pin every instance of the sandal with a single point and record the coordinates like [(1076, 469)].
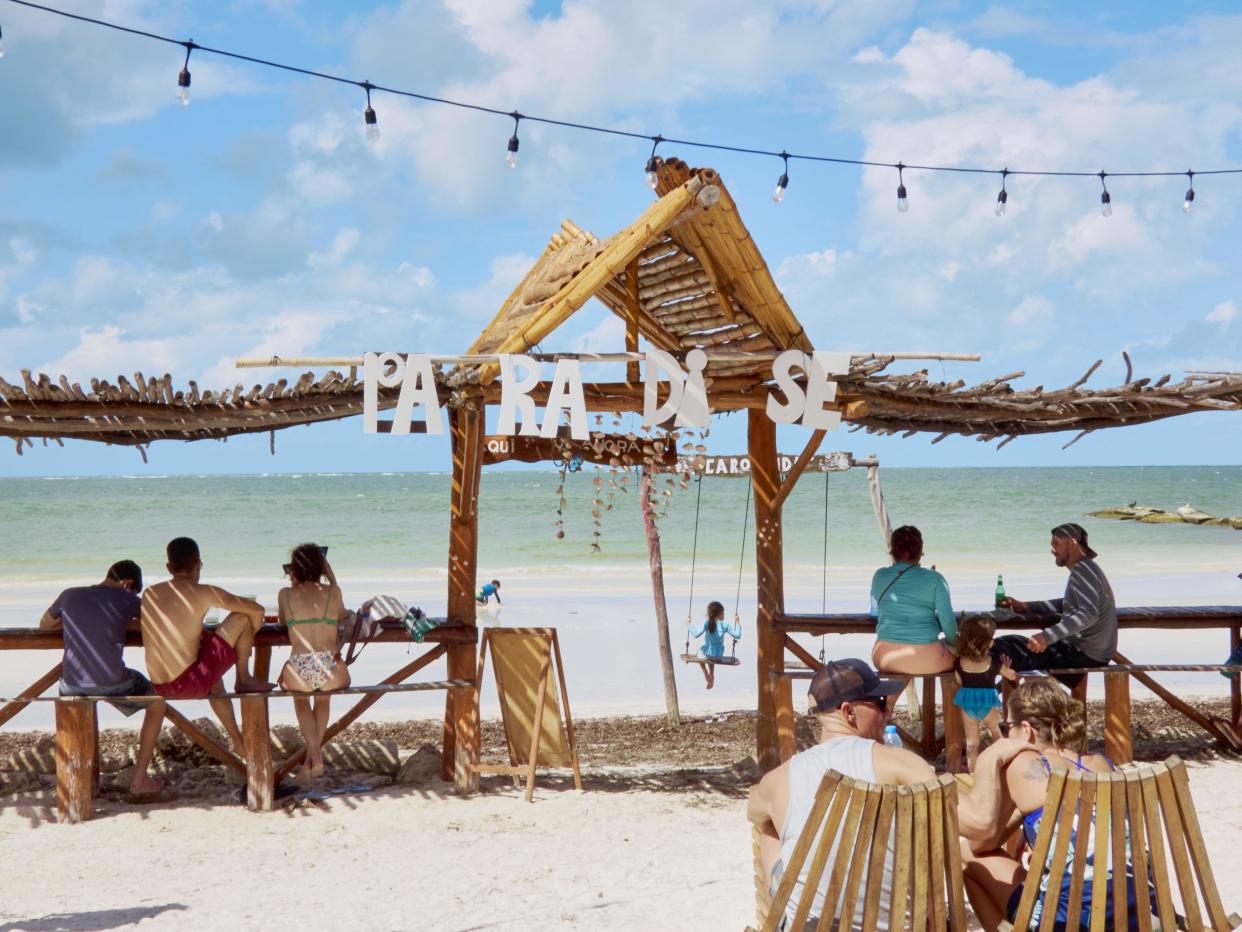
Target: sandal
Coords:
[(1227, 732)]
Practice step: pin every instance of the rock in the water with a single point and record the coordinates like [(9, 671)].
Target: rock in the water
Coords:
[(373, 756), (1193, 515), (38, 759), (421, 767)]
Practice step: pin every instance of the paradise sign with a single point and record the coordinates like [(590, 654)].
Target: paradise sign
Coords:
[(687, 404)]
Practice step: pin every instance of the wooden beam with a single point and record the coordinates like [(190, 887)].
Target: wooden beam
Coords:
[(775, 725), (798, 468), (631, 322), (191, 731), (76, 742), (461, 708), (34, 689), (260, 786), (802, 653)]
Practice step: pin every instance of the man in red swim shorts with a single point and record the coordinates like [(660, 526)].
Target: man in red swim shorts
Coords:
[(185, 660)]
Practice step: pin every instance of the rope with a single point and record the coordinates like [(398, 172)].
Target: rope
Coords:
[(742, 555), (823, 605), (694, 556)]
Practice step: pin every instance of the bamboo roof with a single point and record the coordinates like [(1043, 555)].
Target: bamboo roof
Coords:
[(687, 270)]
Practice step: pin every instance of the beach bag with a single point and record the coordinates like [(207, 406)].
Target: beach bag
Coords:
[(417, 624), (368, 621)]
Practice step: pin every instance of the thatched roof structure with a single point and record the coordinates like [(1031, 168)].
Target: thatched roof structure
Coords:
[(684, 275)]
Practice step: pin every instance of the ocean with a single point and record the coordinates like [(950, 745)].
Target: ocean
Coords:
[(389, 533)]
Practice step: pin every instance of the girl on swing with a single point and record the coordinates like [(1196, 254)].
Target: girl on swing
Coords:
[(713, 630)]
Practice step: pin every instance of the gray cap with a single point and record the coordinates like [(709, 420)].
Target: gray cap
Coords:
[(847, 681)]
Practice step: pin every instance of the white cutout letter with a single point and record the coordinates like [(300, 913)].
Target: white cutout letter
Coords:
[(821, 390), (687, 395), (566, 394), (789, 411), (374, 377), (515, 397), (417, 387)]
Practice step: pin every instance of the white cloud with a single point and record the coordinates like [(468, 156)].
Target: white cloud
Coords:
[(606, 337), (1223, 313), (23, 252), (1033, 311), (504, 272), (820, 264), (214, 221), (342, 245), (28, 311)]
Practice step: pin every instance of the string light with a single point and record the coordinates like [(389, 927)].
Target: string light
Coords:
[(183, 79), (1190, 193), (368, 115), (1106, 199), (511, 155), (653, 164), (783, 181), (1002, 199)]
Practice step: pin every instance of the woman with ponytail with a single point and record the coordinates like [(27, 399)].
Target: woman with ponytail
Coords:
[(1045, 730)]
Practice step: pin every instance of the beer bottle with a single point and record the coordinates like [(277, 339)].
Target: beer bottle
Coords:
[(1000, 592)]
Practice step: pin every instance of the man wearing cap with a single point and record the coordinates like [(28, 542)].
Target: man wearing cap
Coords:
[(1086, 635), (852, 704)]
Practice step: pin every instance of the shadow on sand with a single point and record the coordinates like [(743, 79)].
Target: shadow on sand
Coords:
[(92, 919)]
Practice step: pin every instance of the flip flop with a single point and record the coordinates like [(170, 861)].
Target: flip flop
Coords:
[(1227, 733)]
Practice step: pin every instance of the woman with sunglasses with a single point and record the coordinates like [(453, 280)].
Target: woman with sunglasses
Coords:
[(1048, 728)]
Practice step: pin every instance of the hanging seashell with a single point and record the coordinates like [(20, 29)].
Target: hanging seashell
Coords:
[(560, 535)]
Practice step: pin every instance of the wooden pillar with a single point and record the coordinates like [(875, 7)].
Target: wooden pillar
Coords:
[(954, 736), (262, 661), (461, 706), (76, 741), (775, 727), (1118, 737), (928, 712), (1079, 692), (633, 305), (260, 788)]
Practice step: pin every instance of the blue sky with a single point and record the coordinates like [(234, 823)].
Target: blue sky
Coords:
[(137, 234)]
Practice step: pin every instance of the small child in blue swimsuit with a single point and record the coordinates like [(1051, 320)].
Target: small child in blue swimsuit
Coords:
[(977, 691), (713, 631), (487, 592)]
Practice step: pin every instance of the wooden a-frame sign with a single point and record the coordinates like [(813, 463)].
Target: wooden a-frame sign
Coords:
[(523, 660)]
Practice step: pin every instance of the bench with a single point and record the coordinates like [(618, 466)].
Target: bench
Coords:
[(77, 740)]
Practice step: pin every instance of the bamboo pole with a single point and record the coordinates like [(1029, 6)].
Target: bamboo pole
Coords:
[(631, 322), (661, 602)]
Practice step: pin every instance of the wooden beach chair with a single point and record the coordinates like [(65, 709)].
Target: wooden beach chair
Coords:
[(1148, 808), (859, 818)]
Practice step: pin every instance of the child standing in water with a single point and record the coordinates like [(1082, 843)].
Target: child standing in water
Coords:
[(713, 631), (977, 691)]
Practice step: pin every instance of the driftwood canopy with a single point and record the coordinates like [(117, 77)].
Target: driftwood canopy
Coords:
[(685, 275)]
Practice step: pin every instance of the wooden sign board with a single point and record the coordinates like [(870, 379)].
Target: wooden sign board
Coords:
[(740, 465), (604, 449), (525, 660)]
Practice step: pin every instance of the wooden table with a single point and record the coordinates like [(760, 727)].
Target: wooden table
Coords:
[(1117, 731)]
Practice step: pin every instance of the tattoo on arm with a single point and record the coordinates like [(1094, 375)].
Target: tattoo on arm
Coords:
[(1035, 770)]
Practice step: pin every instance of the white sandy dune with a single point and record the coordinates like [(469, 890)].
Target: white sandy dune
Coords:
[(635, 856)]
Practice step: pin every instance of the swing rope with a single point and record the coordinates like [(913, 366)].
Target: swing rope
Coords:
[(737, 601), (694, 555), (823, 605)]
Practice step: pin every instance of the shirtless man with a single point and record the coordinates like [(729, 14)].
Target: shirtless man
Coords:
[(185, 660), (852, 704)]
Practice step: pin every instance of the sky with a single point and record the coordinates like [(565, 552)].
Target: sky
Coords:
[(136, 234)]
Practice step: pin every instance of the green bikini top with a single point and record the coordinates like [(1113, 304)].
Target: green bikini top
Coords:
[(310, 621)]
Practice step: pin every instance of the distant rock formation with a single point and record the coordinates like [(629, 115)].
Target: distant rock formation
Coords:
[(1183, 515)]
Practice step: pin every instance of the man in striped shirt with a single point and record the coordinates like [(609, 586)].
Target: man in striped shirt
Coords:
[(1086, 635)]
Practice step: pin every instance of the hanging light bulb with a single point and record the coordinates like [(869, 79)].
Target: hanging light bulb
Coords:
[(511, 154), (1190, 193), (368, 115), (903, 204), (783, 181), (1002, 199), (1106, 199), (653, 164), (183, 79)]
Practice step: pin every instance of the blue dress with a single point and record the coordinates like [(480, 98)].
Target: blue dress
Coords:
[(977, 696), (713, 641)]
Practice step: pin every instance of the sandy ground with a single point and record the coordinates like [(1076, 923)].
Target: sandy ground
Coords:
[(660, 842)]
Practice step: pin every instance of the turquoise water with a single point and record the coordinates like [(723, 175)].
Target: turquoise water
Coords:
[(976, 518)]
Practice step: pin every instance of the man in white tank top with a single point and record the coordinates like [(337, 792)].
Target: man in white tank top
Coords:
[(853, 705)]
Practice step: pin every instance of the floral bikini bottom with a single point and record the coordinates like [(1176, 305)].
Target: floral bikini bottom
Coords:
[(315, 668)]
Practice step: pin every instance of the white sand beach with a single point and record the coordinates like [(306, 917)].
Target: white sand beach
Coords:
[(610, 857)]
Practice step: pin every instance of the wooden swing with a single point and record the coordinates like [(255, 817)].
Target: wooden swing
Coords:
[(700, 659)]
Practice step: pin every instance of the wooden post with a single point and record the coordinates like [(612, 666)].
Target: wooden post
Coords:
[(1079, 692), (661, 602), (262, 663), (633, 309), (260, 788), (775, 726), (75, 759), (928, 706), (1118, 738), (461, 707), (954, 737)]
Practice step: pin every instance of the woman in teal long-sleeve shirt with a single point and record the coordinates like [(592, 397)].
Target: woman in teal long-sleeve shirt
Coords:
[(912, 610)]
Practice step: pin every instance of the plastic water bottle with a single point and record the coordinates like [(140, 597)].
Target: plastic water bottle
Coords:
[(891, 738)]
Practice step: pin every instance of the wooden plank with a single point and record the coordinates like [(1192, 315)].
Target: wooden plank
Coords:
[(937, 863), (1120, 856), (191, 731), (1138, 851), (1176, 834), (839, 793), (954, 730), (260, 787), (1155, 844), (1039, 854), (802, 653), (799, 467), (362, 705), (34, 689), (634, 309), (1099, 875), (569, 720), (1084, 819), (922, 860), (928, 706), (1118, 735), (858, 860), (823, 796), (848, 842), (1198, 851), (544, 669), (76, 741), (775, 724), (1063, 814), (879, 853), (903, 856)]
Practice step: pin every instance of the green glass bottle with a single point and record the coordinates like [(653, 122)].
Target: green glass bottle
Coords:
[(1000, 592)]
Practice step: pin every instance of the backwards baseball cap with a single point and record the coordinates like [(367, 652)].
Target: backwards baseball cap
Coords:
[(848, 681), (1074, 532)]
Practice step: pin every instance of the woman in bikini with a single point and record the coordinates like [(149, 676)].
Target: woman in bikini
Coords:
[(1045, 730), (912, 609), (311, 609)]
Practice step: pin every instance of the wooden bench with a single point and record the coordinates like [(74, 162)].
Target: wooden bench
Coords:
[(77, 741)]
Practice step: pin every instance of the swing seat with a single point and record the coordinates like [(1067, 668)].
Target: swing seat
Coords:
[(716, 661)]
